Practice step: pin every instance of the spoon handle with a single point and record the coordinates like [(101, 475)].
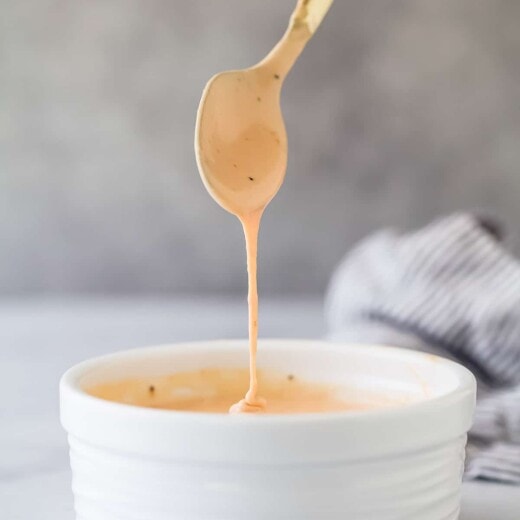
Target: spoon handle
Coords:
[(304, 21), (311, 12)]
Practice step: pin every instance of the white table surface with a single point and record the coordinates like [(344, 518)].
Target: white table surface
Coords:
[(39, 340)]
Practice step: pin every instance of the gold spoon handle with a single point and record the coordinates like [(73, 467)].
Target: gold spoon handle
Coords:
[(305, 19), (311, 13)]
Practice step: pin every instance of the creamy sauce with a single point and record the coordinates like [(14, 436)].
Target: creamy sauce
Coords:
[(214, 390), (248, 166)]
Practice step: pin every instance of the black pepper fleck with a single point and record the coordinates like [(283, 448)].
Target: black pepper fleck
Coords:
[(290, 377), (259, 98), (251, 178), (277, 76), (151, 389)]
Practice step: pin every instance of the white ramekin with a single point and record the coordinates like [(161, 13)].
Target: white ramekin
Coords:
[(132, 463)]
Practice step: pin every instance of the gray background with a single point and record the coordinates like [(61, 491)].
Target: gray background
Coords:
[(397, 112)]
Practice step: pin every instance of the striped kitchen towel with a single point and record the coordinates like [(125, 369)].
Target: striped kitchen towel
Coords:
[(452, 289)]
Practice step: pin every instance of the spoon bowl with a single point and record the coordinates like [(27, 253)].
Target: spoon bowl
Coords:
[(241, 140)]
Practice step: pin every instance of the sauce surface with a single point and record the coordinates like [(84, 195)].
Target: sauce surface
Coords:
[(215, 390)]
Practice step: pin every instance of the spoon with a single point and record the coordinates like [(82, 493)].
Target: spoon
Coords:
[(241, 149), (240, 138)]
